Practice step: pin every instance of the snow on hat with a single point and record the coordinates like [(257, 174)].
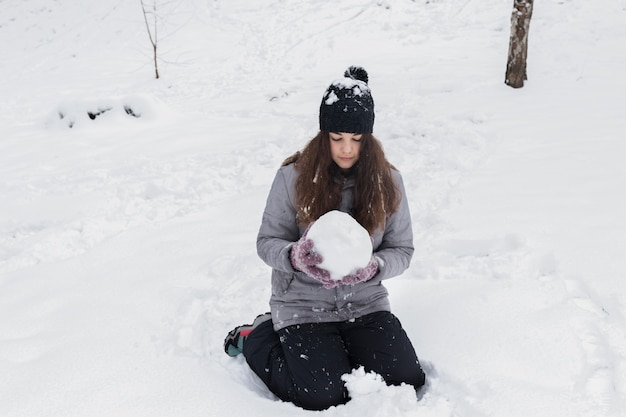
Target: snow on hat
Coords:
[(347, 105)]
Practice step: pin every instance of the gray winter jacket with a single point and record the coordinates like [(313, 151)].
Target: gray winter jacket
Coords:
[(296, 297)]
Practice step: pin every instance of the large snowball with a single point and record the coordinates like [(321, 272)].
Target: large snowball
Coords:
[(344, 244)]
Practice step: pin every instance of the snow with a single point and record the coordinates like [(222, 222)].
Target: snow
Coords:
[(127, 244), (332, 99), (343, 243)]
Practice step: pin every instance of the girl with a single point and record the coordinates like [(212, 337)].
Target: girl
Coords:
[(319, 328)]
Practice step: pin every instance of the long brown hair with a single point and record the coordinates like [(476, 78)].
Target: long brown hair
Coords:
[(318, 186)]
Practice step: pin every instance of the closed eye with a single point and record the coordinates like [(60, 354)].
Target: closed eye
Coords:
[(355, 138)]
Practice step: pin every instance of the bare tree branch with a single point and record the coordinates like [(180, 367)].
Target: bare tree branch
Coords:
[(153, 40)]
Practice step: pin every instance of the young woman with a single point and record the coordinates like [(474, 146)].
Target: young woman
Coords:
[(319, 328)]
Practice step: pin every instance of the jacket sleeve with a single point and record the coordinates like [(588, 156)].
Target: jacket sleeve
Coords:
[(396, 248), (279, 229)]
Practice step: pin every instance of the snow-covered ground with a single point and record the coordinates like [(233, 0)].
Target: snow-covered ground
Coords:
[(127, 244)]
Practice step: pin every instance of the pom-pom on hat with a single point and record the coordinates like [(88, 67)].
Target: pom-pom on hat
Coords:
[(347, 105)]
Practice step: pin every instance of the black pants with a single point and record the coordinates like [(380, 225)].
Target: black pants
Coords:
[(304, 363)]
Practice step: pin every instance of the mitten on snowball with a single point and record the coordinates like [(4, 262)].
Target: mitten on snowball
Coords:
[(303, 258), (361, 274)]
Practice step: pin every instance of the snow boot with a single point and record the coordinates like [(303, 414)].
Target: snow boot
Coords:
[(233, 344)]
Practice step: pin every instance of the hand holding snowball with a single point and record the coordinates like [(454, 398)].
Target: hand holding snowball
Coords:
[(304, 258)]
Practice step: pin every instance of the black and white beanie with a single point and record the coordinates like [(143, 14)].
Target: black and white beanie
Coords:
[(347, 105)]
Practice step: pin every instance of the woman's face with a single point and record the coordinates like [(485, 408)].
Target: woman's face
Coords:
[(344, 148)]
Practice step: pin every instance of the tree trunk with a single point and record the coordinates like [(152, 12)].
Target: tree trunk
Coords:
[(518, 44)]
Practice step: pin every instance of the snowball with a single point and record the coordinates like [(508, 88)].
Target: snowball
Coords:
[(344, 244)]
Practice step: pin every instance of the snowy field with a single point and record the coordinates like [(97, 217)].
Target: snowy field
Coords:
[(127, 242)]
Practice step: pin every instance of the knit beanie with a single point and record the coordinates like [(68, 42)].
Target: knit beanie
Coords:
[(347, 105)]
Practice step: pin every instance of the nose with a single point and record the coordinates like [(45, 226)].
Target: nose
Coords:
[(346, 147)]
